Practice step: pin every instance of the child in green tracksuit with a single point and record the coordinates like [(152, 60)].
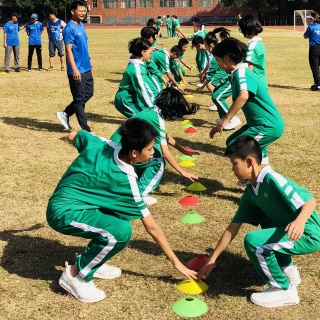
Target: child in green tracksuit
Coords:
[(217, 81), (256, 56), (136, 92), (169, 103), (290, 225), (264, 121), (96, 199)]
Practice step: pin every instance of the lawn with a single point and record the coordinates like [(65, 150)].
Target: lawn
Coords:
[(35, 154)]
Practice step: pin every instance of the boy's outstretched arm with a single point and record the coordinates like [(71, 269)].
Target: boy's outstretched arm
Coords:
[(158, 235), (227, 236)]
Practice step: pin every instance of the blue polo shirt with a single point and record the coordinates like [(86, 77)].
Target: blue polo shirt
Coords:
[(76, 35), (34, 30), (11, 29), (313, 33)]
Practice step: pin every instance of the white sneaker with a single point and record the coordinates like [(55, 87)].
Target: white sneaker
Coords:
[(83, 290), (64, 119), (232, 124), (293, 275), (213, 107), (265, 160), (275, 297), (149, 201), (107, 272)]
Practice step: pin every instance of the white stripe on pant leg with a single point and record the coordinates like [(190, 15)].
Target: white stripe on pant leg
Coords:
[(111, 244), (259, 136), (155, 179), (218, 99), (271, 247)]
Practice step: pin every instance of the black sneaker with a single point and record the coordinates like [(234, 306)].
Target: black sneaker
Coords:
[(17, 69), (315, 87), (6, 71)]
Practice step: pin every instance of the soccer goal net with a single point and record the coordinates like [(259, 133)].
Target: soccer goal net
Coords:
[(300, 20)]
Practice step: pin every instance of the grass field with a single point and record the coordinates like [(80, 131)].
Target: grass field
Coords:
[(35, 154)]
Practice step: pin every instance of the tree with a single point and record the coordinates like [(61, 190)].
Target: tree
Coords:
[(42, 6)]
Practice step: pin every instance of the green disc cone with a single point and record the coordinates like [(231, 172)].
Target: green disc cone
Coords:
[(187, 125), (196, 186), (185, 157), (186, 163), (189, 307), (192, 218)]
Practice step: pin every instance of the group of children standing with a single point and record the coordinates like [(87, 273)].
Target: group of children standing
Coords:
[(110, 182)]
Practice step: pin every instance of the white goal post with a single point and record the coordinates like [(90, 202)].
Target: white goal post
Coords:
[(300, 20)]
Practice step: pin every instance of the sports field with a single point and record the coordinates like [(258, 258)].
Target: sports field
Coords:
[(35, 154)]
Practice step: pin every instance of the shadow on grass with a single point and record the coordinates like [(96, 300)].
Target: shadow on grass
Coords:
[(232, 276), (279, 86), (113, 80), (37, 258), (213, 187), (32, 124), (35, 124)]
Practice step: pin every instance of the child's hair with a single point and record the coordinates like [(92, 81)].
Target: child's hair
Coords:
[(223, 32), (136, 134), (182, 42), (151, 22), (243, 147), (231, 47), (177, 50), (137, 45), (250, 26), (210, 38), (197, 40), (159, 17), (172, 103), (149, 32), (198, 25), (75, 4), (195, 19)]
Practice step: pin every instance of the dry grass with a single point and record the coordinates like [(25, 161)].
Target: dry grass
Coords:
[(34, 155)]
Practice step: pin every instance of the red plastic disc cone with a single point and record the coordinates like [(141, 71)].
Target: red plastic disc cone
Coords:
[(189, 307), (197, 263), (190, 130), (188, 149), (192, 218), (189, 201)]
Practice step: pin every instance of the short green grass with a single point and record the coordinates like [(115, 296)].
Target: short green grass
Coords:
[(34, 155)]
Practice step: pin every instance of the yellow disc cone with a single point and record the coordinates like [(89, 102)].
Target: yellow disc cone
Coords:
[(192, 287), (196, 186), (186, 163), (186, 121)]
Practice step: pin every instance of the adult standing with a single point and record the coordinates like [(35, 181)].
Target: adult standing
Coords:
[(54, 28), (313, 34), (79, 67), (34, 31), (11, 42)]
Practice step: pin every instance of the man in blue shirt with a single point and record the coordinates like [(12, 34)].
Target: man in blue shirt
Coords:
[(78, 67), (34, 30), (11, 42), (54, 28)]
